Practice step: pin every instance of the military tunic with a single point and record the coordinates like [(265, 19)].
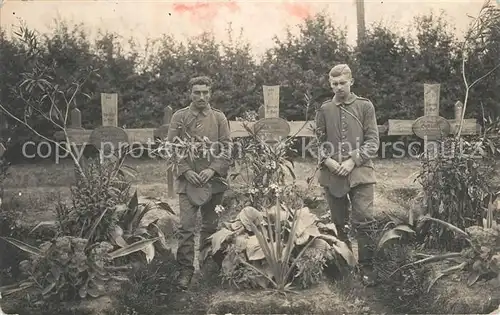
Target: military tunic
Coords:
[(209, 123), (347, 130)]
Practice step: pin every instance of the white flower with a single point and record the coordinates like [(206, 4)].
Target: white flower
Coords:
[(219, 209)]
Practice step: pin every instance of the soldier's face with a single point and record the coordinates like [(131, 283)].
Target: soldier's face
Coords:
[(200, 95), (341, 85)]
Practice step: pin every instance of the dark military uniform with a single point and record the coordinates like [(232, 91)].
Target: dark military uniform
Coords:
[(349, 130), (212, 124)]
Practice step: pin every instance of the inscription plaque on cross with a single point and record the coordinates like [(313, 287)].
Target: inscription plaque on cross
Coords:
[(431, 127)]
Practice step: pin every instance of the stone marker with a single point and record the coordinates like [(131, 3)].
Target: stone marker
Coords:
[(109, 109)]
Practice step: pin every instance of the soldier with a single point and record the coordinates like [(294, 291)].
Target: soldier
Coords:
[(348, 139), (201, 183)]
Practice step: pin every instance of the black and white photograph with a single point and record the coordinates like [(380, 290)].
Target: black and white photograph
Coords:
[(249, 157)]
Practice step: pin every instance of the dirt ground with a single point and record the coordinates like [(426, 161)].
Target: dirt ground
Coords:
[(33, 189)]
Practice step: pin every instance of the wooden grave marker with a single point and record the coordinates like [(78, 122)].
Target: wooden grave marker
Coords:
[(75, 119), (271, 127), (109, 138), (431, 127), (109, 109), (402, 127)]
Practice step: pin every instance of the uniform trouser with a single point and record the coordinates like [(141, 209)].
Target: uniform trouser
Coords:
[(188, 213), (361, 216)]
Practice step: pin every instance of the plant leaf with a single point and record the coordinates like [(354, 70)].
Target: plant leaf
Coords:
[(304, 219), (448, 225), (43, 223), (23, 246), (149, 251), (250, 215), (161, 236), (254, 250), (473, 277), (218, 238), (165, 206), (13, 288), (387, 236), (48, 288), (116, 235), (132, 248), (328, 227), (344, 250)]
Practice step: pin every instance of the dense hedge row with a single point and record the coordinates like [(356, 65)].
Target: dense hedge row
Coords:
[(389, 68)]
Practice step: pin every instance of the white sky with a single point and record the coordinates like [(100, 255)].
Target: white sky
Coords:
[(260, 20)]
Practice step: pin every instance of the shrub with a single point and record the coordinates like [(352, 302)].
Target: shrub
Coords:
[(278, 248)]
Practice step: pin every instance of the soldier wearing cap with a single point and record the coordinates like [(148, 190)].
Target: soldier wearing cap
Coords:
[(201, 183), (348, 139)]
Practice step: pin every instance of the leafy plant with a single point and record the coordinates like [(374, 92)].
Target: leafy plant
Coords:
[(68, 267), (264, 161), (455, 182), (480, 258), (95, 201), (139, 221), (266, 248)]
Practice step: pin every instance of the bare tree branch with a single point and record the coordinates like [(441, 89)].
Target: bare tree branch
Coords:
[(488, 17)]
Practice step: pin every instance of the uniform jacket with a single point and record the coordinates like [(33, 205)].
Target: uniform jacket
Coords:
[(212, 124), (347, 130)]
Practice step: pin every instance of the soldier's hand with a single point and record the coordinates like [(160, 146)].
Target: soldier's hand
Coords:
[(193, 178), (332, 165), (206, 174), (346, 167)]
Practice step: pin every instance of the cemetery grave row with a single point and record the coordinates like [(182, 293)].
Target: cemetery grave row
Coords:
[(431, 125)]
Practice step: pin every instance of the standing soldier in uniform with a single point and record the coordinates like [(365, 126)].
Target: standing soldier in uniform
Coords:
[(201, 182), (348, 139)]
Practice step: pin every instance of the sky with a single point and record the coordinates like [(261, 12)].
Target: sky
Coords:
[(259, 20)]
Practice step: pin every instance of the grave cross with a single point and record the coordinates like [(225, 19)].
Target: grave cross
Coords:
[(271, 127), (431, 126), (109, 137)]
